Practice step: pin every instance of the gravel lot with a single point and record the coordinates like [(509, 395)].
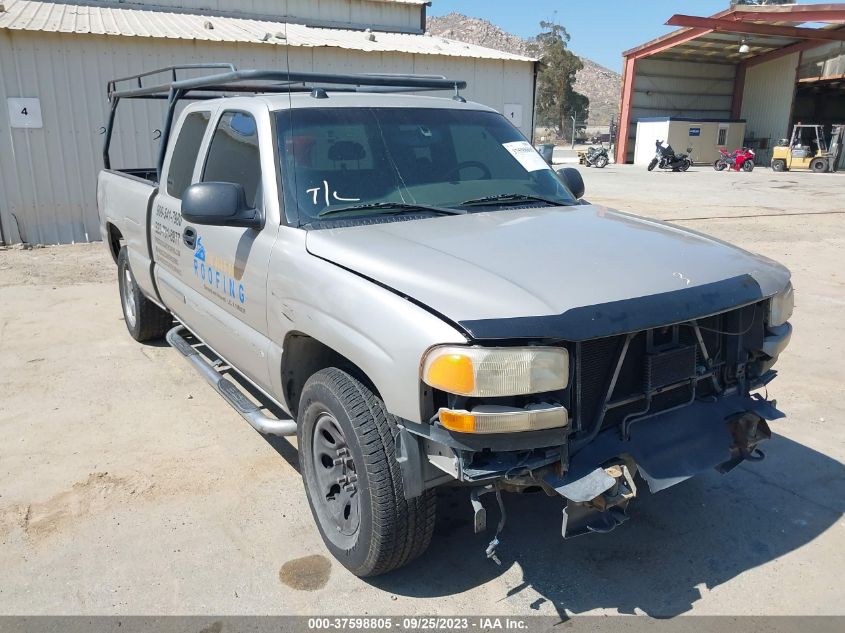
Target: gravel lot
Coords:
[(128, 487)]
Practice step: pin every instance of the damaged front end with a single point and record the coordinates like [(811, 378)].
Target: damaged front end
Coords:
[(655, 406)]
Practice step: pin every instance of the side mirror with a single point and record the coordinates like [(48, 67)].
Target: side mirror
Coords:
[(219, 204), (572, 179)]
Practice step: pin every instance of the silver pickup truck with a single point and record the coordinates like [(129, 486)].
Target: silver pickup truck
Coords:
[(404, 284)]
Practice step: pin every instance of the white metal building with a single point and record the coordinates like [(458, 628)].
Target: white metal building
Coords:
[(55, 60)]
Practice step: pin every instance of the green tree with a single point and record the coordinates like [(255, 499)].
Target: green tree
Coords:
[(557, 100)]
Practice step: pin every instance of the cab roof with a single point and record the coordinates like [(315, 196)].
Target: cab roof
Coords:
[(363, 100)]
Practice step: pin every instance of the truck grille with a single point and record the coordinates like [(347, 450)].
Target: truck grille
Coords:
[(664, 362)]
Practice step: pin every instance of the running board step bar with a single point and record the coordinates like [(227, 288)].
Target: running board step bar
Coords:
[(248, 410)]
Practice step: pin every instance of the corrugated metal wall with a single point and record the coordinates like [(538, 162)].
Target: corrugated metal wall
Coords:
[(48, 175), (682, 89), (767, 101)]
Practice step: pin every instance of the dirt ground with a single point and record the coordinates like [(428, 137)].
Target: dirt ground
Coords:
[(128, 487)]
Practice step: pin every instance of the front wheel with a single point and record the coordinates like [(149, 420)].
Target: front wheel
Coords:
[(819, 165), (144, 319), (748, 165), (778, 165), (352, 479), (719, 165), (652, 164), (601, 162)]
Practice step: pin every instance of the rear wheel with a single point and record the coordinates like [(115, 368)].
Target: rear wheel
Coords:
[(719, 165), (352, 479), (748, 165), (686, 165), (778, 165), (652, 164), (144, 319), (601, 162), (819, 165)]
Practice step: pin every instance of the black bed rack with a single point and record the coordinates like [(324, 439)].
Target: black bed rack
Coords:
[(232, 80)]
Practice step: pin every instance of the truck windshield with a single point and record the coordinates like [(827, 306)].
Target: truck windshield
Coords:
[(342, 163)]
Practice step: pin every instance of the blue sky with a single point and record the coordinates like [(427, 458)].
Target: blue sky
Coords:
[(600, 29)]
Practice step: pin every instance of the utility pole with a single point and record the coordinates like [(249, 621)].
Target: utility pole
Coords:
[(573, 130), (611, 140)]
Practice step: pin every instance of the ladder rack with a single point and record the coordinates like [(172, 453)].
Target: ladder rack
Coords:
[(253, 81)]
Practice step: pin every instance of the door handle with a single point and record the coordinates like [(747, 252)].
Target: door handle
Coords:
[(189, 236)]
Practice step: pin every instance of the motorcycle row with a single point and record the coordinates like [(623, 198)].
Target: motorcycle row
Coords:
[(666, 158)]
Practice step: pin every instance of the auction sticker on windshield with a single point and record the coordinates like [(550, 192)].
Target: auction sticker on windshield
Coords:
[(526, 155)]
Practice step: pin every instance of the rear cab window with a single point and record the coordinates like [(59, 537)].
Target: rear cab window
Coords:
[(185, 151)]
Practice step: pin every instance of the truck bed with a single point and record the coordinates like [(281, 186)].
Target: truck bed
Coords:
[(124, 200), (143, 173)]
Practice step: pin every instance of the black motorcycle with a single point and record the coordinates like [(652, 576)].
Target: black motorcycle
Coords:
[(596, 157), (666, 158)]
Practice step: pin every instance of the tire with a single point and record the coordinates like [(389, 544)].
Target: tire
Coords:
[(778, 165), (601, 162), (365, 522), (144, 319), (748, 165), (652, 164), (818, 165), (686, 165), (719, 165)]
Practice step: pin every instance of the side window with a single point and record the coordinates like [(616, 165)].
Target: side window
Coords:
[(233, 155), (185, 153)]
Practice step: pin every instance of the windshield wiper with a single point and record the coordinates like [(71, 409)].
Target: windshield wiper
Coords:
[(391, 207), (508, 198)]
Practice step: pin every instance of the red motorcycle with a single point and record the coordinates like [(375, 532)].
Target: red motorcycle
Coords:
[(738, 159)]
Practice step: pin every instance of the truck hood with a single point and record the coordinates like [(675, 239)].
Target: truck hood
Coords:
[(571, 273)]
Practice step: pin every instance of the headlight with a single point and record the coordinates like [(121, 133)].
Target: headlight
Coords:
[(496, 371), (780, 306)]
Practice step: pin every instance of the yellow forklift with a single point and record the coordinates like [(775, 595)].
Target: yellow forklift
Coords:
[(807, 149)]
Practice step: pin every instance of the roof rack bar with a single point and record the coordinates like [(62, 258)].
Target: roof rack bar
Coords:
[(111, 87), (275, 88), (208, 66), (404, 75), (214, 82), (173, 99), (410, 81), (163, 91)]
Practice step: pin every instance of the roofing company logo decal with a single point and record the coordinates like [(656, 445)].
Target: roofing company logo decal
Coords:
[(219, 277), (200, 252)]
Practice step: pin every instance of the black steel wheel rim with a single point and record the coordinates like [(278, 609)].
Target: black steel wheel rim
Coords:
[(336, 480)]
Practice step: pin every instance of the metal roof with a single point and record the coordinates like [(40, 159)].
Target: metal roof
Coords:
[(705, 44), (26, 15)]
